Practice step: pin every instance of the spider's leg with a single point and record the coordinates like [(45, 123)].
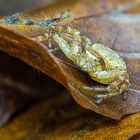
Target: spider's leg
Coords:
[(95, 88), (71, 50), (101, 97), (50, 39), (41, 38), (119, 86), (88, 43), (45, 37), (122, 83)]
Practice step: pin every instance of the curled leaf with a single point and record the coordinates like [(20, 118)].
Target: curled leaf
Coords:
[(109, 23)]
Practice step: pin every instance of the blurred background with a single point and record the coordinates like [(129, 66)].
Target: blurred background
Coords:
[(8, 7)]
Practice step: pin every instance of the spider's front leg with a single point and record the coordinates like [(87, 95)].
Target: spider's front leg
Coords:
[(71, 50), (58, 33)]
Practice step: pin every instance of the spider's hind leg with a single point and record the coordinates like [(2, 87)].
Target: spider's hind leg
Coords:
[(101, 97)]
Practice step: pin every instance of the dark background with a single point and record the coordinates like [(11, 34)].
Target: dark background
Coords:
[(12, 6)]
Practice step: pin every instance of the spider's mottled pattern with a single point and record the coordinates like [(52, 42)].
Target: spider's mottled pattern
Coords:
[(103, 64)]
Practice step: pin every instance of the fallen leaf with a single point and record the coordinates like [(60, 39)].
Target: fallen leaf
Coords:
[(104, 23)]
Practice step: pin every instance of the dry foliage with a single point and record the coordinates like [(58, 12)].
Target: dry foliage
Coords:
[(99, 21)]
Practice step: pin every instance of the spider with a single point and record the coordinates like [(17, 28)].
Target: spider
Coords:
[(102, 64)]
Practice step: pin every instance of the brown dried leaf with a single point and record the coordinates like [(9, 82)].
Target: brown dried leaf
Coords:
[(51, 120), (104, 24)]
